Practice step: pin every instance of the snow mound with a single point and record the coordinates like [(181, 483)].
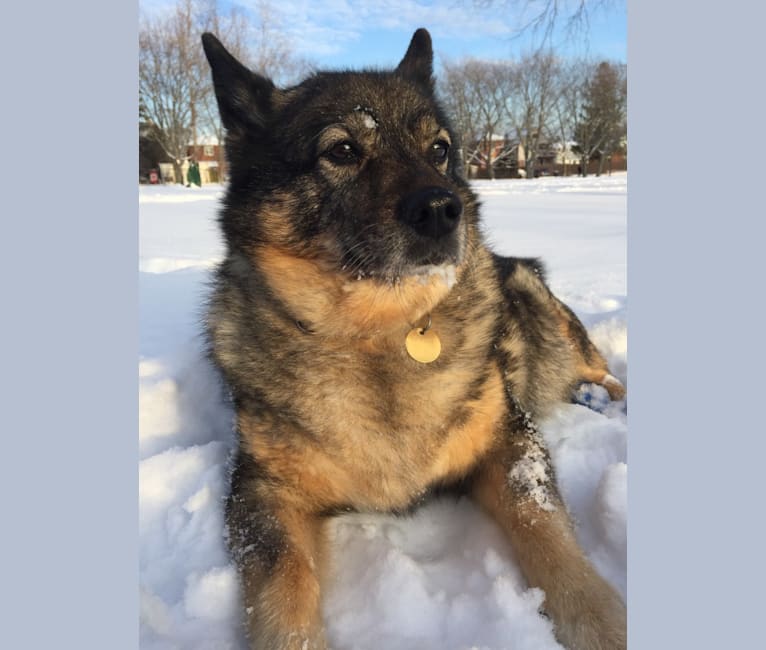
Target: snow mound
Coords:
[(442, 578)]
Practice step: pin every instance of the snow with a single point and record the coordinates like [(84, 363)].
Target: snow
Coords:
[(447, 273), (530, 474), (368, 117), (443, 578)]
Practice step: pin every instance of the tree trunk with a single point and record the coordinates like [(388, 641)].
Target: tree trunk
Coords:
[(179, 174), (490, 164)]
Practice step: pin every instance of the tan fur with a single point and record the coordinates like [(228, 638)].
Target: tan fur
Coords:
[(284, 604), (586, 611), (314, 476), (601, 376), (275, 215), (590, 365), (354, 457), (471, 440), (333, 304)]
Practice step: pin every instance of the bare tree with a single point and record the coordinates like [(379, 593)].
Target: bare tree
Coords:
[(257, 40), (601, 126), (572, 82), (271, 52), (464, 111), (476, 91), (171, 84), (530, 104), (175, 88), (232, 28), (544, 18), (616, 99)]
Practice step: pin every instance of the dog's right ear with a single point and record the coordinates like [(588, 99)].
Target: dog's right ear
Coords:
[(417, 64), (244, 97)]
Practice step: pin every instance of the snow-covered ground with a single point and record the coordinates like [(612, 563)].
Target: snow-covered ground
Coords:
[(443, 578)]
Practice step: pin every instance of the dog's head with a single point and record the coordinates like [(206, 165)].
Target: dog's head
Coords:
[(354, 173)]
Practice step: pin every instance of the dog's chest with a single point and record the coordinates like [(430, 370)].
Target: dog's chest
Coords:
[(392, 429)]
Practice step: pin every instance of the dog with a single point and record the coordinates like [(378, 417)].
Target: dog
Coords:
[(376, 350)]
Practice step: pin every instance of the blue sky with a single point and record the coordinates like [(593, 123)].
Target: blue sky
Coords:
[(345, 33)]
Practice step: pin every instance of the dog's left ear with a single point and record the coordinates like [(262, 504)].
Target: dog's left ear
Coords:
[(245, 99), (417, 64)]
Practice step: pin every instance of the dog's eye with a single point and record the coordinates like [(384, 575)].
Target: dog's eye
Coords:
[(439, 151), (342, 153)]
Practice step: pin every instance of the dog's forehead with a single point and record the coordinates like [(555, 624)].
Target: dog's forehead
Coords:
[(365, 117), (370, 102)]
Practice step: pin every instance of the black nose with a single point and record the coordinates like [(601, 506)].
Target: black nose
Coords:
[(431, 211)]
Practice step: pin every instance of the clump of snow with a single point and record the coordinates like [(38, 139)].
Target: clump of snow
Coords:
[(444, 577), (368, 116), (593, 396), (447, 273), (165, 265), (530, 476), (369, 121), (212, 594), (612, 504)]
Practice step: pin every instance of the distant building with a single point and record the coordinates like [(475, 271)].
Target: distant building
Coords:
[(152, 157), (209, 155), (507, 157), (553, 159)]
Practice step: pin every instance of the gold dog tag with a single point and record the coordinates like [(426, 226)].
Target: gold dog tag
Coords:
[(423, 345)]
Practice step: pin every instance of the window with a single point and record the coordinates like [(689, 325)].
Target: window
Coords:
[(208, 150)]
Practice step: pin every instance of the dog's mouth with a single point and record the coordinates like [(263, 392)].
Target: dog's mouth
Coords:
[(440, 261), (437, 265), (446, 273), (425, 274)]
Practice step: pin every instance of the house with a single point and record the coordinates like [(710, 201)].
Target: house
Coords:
[(212, 162), (208, 154), (568, 161), (154, 161), (507, 157), (552, 159)]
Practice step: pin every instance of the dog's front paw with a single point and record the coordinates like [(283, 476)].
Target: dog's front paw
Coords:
[(614, 387), (291, 641), (599, 394), (597, 622)]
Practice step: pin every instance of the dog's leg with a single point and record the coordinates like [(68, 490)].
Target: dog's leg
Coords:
[(516, 485), (278, 551), (590, 363)]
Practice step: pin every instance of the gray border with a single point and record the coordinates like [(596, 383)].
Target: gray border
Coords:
[(695, 566), (69, 482), (69, 250)]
